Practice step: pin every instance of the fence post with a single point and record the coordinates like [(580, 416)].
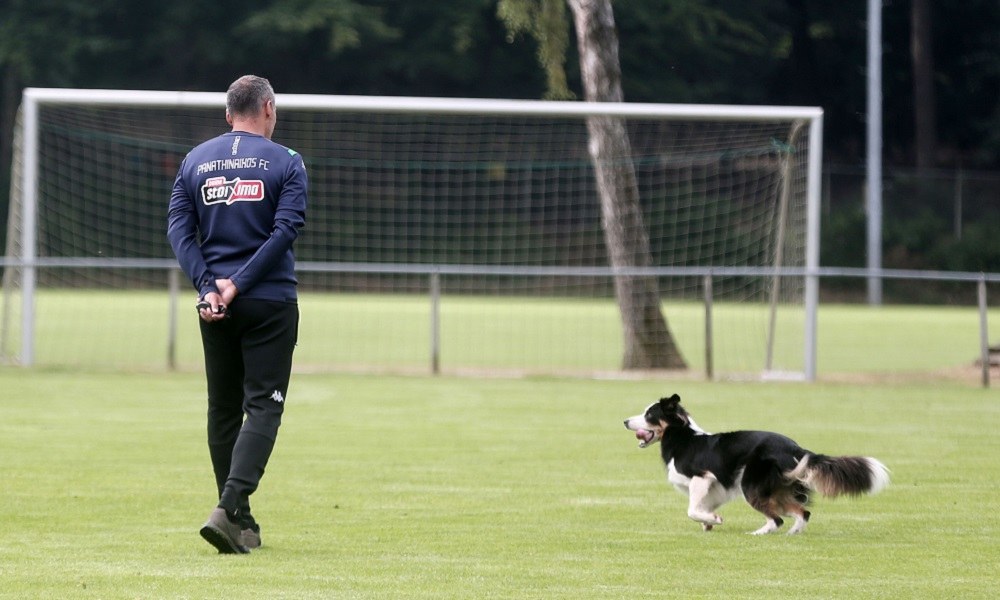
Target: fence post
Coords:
[(173, 290), (709, 351), (984, 337), (435, 286)]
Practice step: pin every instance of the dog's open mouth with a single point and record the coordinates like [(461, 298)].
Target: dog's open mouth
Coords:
[(644, 436)]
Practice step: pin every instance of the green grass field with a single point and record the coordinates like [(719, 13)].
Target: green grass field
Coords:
[(128, 331), (420, 487)]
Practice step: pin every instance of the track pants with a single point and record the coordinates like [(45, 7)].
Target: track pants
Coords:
[(248, 362)]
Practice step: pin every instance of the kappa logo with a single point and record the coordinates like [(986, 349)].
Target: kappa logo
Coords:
[(221, 190), (277, 397)]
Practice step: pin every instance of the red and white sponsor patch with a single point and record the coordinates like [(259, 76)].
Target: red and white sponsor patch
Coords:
[(221, 190)]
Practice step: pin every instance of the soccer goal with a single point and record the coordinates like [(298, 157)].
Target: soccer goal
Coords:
[(447, 234)]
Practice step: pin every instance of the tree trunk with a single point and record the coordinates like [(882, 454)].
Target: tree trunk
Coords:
[(648, 342), (924, 103)]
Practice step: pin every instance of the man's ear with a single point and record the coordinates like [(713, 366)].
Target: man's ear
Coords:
[(229, 118)]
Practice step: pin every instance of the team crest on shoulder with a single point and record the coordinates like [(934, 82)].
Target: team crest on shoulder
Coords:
[(218, 190)]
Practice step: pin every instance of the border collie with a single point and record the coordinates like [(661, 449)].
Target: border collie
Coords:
[(773, 473)]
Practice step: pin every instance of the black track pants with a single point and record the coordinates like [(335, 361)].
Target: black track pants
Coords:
[(248, 362)]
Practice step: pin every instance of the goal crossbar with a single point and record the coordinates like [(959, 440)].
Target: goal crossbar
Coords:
[(416, 104)]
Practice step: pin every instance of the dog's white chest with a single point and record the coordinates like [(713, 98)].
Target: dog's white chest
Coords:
[(681, 482)]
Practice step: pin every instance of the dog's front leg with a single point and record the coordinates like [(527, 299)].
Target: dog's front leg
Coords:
[(703, 501)]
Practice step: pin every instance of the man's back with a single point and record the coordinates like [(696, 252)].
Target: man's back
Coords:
[(246, 197)]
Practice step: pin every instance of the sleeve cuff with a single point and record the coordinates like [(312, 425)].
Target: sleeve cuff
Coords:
[(207, 287)]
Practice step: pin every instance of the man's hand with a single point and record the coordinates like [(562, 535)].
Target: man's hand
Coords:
[(228, 290), (211, 308)]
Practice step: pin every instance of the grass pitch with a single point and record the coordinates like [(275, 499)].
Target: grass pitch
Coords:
[(414, 487), (84, 329)]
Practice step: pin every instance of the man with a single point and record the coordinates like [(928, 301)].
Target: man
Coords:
[(237, 206)]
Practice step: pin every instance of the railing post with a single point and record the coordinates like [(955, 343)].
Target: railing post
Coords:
[(435, 285), (709, 351), (173, 290), (984, 337)]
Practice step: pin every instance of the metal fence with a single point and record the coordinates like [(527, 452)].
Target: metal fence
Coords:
[(434, 274)]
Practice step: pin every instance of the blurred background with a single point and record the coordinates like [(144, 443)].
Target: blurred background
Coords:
[(941, 70)]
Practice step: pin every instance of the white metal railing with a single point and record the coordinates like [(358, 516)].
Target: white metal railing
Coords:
[(435, 272)]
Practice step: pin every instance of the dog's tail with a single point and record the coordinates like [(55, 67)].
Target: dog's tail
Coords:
[(834, 476)]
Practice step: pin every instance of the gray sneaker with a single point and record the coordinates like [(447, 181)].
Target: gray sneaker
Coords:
[(251, 537), (224, 534), (249, 529)]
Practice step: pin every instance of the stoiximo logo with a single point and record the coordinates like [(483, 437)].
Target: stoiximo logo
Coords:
[(221, 190)]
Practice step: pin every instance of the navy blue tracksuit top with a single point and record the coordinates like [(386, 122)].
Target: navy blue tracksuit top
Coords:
[(237, 206)]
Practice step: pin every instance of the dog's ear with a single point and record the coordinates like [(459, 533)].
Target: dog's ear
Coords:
[(670, 404), (673, 410)]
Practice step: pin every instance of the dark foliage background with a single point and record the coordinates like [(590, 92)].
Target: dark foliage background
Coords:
[(706, 51)]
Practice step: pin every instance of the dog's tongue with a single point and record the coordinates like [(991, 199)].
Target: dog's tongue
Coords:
[(642, 435)]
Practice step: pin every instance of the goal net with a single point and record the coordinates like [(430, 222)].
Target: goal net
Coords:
[(444, 234)]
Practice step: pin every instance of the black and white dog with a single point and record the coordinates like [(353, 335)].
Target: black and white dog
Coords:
[(773, 473)]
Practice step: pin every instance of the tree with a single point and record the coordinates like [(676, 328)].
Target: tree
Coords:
[(648, 342), (545, 21), (924, 104), (345, 23), (31, 54)]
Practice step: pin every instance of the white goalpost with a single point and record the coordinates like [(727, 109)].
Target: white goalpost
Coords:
[(460, 233)]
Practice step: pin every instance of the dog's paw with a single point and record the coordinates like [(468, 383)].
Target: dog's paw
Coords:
[(706, 527), (705, 518), (768, 527)]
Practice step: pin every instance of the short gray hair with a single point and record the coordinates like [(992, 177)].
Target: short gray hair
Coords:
[(247, 95)]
